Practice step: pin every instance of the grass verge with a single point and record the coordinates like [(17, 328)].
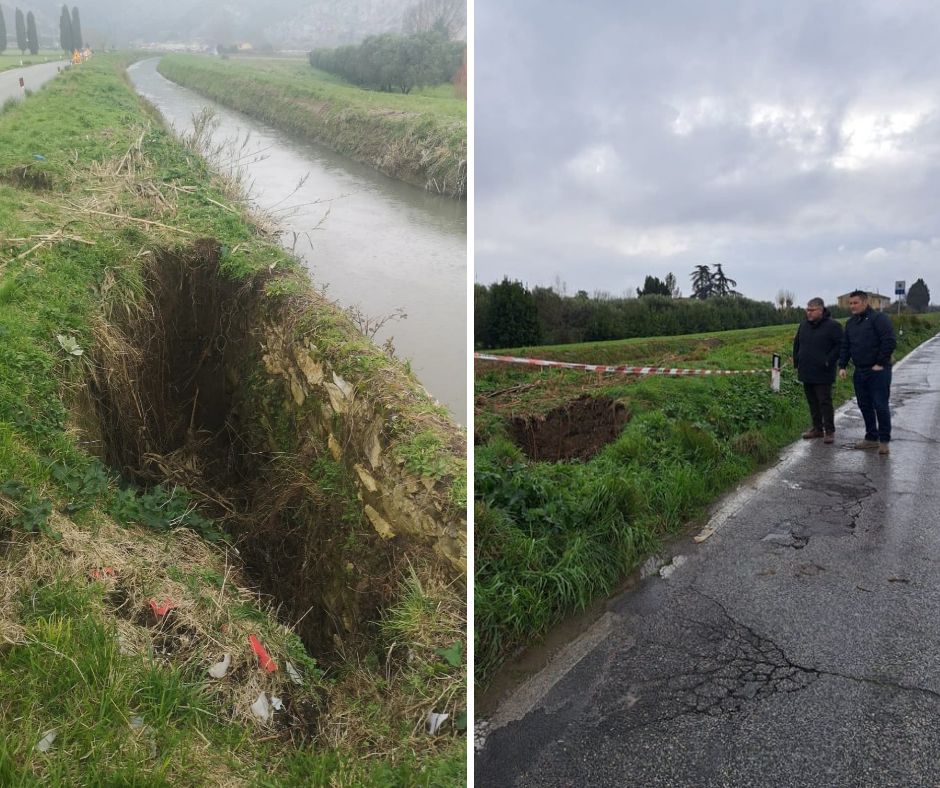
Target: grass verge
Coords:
[(553, 536), (420, 138), (118, 595)]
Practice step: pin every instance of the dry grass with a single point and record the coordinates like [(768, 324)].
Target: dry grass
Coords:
[(204, 586)]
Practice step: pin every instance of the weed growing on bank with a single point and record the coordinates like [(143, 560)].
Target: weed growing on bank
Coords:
[(551, 537), (420, 139)]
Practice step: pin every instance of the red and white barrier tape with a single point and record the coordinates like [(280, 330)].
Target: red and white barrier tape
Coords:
[(623, 370)]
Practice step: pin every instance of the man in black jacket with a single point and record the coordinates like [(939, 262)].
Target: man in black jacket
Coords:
[(869, 342), (816, 349)]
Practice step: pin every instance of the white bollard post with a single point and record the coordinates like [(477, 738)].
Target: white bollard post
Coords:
[(775, 374)]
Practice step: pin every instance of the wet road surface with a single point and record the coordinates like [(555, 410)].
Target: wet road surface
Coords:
[(799, 645)]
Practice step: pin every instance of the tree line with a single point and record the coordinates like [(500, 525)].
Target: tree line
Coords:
[(27, 38), (507, 314), (391, 62)]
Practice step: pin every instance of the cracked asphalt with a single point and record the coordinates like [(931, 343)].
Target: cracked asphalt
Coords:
[(799, 645)]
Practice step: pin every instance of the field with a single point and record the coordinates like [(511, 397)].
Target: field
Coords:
[(296, 73), (10, 59), (579, 478), (117, 594), (420, 138)]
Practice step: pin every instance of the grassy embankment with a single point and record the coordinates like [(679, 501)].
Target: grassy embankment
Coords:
[(420, 138), (551, 537), (88, 556)]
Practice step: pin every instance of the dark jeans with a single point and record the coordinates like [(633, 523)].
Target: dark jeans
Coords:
[(872, 390), (819, 397)]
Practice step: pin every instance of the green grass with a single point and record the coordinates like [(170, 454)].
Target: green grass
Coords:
[(141, 718), (12, 59), (295, 74), (420, 138), (552, 537)]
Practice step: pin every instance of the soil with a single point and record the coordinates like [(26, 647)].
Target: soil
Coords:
[(25, 176), (576, 430), (169, 393)]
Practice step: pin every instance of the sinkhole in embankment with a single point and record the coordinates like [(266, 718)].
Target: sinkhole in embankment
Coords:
[(576, 430), (177, 399)]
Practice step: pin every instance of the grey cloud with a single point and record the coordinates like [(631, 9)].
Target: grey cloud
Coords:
[(771, 134)]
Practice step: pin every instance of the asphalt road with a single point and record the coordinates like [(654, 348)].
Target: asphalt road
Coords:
[(34, 76), (799, 645)]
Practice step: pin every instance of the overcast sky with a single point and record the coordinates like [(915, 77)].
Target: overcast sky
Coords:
[(797, 143)]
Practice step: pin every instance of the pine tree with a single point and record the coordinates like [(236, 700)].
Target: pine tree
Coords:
[(702, 282), (32, 38), (918, 297), (721, 284), (77, 42), (65, 31), (20, 32), (3, 33)]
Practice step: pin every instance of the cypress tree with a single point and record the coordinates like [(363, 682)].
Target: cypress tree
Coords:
[(918, 297), (76, 29), (20, 32), (3, 33), (32, 38), (65, 30)]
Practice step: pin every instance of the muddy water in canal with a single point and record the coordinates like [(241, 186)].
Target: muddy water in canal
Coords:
[(374, 243)]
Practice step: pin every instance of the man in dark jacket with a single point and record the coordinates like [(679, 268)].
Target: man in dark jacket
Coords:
[(816, 349), (869, 342)]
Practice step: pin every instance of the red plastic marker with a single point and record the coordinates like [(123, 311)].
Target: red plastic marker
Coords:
[(162, 609), (263, 657)]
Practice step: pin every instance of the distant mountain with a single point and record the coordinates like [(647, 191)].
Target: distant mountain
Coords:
[(284, 24)]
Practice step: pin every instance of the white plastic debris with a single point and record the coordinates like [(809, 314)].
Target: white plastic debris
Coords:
[(69, 345), (45, 743), (276, 703), (294, 674), (262, 709), (219, 669), (667, 571), (435, 721)]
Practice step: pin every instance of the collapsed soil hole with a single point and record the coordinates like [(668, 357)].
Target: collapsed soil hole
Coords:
[(576, 430), (26, 177), (175, 388)]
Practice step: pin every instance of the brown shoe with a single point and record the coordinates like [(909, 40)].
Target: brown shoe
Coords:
[(866, 444), (813, 433), (884, 449), (830, 437)]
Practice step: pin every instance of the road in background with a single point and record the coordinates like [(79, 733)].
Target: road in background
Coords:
[(34, 77), (796, 646)]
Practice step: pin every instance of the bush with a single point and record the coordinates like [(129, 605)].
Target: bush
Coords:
[(389, 62)]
